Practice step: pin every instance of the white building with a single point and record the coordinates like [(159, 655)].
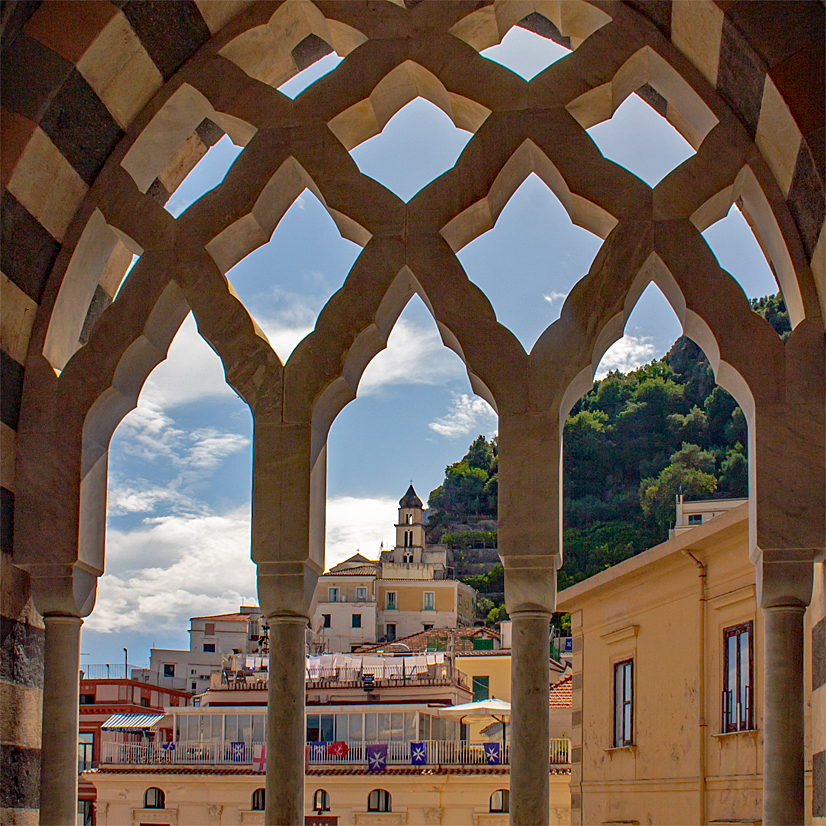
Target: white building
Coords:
[(210, 639)]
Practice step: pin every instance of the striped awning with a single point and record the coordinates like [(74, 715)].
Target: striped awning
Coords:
[(132, 722)]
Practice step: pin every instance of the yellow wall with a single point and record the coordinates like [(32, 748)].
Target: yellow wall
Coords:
[(419, 799), (410, 597), (497, 668), (650, 609)]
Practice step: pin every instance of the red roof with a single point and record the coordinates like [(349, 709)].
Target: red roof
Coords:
[(562, 693)]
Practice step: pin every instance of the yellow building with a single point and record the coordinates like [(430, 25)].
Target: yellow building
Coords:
[(668, 703)]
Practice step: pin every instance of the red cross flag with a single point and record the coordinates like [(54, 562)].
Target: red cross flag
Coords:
[(259, 757)]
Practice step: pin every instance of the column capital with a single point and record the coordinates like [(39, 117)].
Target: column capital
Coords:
[(63, 590), (784, 577), (530, 585)]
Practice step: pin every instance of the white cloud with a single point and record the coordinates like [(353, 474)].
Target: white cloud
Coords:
[(192, 372), (174, 567), (627, 354), (553, 295), (177, 566), (359, 524), (414, 354), (467, 414)]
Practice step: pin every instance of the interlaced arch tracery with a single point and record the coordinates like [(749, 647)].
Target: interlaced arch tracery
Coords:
[(75, 394)]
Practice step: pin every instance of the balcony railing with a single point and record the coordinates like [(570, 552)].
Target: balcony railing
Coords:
[(437, 752)]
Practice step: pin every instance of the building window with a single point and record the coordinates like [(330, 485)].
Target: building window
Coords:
[(145, 702), (390, 601), (391, 631), (332, 595), (500, 801), (85, 750), (87, 699), (409, 518), (154, 798), (481, 688), (429, 600), (407, 558), (356, 620), (84, 813), (738, 677), (194, 686), (209, 647), (253, 629), (209, 629), (361, 594), (169, 669), (321, 801), (379, 800), (427, 626), (328, 620), (258, 800), (624, 703), (695, 519)]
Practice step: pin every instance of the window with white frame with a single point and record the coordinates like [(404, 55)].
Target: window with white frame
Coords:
[(738, 677), (361, 594), (390, 601), (332, 594), (429, 601), (623, 703), (379, 800)]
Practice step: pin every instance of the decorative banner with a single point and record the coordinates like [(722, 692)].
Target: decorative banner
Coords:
[(238, 752), (338, 749), (492, 755), (318, 750), (377, 758), (418, 754), (259, 757)]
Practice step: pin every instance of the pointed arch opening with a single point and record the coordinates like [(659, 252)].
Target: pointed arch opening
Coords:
[(530, 47), (746, 194), (296, 37), (683, 107), (572, 21), (154, 445), (286, 282), (658, 421), (529, 261)]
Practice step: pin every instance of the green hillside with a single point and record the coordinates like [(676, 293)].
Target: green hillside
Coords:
[(631, 444)]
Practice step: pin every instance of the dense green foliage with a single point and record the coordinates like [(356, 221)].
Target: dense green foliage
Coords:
[(631, 445)]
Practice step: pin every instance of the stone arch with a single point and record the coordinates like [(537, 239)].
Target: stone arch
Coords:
[(687, 111), (395, 90), (488, 25), (271, 53)]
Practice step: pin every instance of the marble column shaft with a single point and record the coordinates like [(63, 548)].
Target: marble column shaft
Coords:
[(286, 731), (58, 756)]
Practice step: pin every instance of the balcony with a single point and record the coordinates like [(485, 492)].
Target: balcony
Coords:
[(438, 753)]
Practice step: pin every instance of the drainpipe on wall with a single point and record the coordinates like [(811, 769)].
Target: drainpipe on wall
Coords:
[(701, 685)]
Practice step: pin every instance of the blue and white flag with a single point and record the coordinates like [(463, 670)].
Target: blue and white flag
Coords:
[(377, 758), (238, 752), (318, 750), (418, 754), (492, 754)]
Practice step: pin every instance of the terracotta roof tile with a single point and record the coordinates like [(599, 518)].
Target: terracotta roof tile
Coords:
[(562, 693)]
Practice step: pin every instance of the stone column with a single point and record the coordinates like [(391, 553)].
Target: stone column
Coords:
[(530, 718), (286, 731), (58, 756), (529, 459), (783, 752), (784, 582)]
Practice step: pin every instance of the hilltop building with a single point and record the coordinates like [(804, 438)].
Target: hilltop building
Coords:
[(360, 602)]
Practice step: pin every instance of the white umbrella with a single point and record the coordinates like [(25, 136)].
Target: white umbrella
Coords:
[(500, 710)]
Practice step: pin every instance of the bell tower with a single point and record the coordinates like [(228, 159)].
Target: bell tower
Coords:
[(410, 538)]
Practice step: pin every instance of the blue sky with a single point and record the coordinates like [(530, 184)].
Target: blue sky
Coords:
[(180, 464)]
